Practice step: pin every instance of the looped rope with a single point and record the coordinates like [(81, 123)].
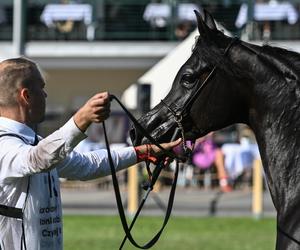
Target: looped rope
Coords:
[(154, 176)]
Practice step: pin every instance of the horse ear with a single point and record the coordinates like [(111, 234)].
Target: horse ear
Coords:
[(209, 20), (202, 27)]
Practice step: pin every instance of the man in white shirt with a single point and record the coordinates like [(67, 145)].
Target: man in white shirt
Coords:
[(30, 204)]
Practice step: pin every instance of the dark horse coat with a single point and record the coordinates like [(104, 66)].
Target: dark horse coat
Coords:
[(244, 83)]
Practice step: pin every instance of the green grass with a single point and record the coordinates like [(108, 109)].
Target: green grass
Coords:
[(105, 232)]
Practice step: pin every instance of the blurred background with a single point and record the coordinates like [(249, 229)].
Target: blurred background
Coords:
[(133, 49)]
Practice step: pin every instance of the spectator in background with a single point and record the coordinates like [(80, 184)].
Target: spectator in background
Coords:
[(239, 156), (206, 155), (66, 26), (183, 29)]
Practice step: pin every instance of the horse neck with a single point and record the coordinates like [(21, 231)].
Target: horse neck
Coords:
[(274, 115)]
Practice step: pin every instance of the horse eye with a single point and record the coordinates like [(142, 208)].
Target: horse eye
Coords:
[(189, 80)]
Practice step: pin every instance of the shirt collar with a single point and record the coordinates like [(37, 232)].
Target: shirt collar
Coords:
[(12, 126)]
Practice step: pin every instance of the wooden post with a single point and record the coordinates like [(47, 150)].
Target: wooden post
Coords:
[(132, 190), (257, 190)]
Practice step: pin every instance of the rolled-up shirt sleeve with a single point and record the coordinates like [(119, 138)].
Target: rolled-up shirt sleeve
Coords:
[(21, 159), (90, 165)]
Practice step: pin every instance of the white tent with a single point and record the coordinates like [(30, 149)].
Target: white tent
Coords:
[(161, 75)]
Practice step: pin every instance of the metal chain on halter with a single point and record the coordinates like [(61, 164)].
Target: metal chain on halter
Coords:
[(178, 119), (184, 144)]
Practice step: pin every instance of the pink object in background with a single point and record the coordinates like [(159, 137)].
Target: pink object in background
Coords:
[(204, 154)]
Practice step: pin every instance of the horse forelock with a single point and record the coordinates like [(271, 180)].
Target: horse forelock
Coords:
[(212, 55)]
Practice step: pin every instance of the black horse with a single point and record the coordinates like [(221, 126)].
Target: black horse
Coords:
[(227, 81)]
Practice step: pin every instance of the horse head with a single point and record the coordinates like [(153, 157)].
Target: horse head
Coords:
[(199, 101)]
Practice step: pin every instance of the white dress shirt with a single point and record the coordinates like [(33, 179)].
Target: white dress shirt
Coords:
[(41, 166)]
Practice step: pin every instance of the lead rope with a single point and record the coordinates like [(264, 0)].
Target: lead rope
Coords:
[(155, 175)]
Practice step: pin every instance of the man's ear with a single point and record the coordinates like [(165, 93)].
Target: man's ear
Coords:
[(24, 95)]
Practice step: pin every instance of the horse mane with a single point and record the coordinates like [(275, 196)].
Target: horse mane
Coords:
[(285, 61)]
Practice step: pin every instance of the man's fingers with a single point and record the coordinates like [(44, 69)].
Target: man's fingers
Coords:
[(99, 102), (172, 144), (96, 109), (100, 109), (102, 95), (176, 143), (101, 98), (166, 146), (100, 118)]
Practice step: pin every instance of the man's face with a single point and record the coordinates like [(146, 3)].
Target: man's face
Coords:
[(37, 99)]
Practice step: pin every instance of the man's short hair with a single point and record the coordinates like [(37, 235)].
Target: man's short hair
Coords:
[(14, 74)]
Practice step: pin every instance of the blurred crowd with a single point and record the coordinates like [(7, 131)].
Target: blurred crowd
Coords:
[(225, 165), (155, 19)]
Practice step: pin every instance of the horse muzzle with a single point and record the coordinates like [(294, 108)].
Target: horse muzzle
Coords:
[(159, 132)]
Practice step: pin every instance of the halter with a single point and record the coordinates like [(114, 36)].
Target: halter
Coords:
[(179, 115)]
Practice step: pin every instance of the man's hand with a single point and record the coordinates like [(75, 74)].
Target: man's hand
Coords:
[(152, 153), (167, 146), (96, 109)]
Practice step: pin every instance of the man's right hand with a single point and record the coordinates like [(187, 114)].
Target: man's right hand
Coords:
[(96, 109), (150, 152)]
